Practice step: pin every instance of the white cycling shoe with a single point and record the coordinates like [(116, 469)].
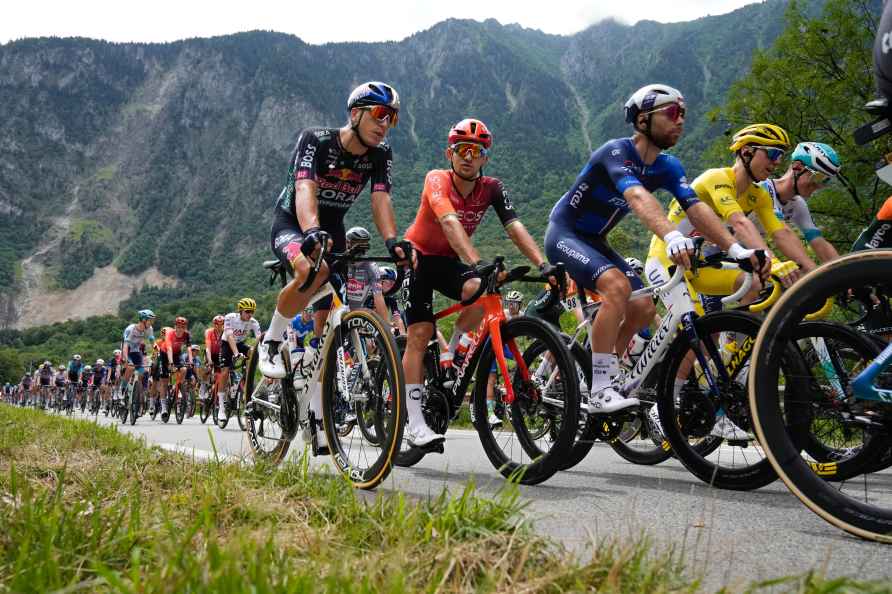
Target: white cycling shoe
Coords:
[(420, 435), (608, 400), (726, 429), (271, 364)]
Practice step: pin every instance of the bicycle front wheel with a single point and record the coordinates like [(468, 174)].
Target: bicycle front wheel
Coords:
[(862, 507), (361, 338), (537, 430)]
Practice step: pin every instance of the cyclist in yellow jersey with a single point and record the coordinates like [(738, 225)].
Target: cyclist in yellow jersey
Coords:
[(733, 193)]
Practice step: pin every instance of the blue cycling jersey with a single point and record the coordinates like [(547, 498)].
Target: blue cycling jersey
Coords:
[(75, 367), (595, 204), (301, 329)]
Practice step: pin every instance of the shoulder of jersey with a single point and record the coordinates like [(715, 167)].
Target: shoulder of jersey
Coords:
[(231, 315)]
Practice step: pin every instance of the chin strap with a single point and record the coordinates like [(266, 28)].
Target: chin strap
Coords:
[(796, 177), (647, 133), (355, 129), (746, 160)]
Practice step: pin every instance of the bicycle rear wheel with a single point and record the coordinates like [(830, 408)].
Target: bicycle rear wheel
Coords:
[(863, 506), (364, 337), (539, 427)]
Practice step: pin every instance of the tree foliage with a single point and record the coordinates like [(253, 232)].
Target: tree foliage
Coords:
[(814, 81)]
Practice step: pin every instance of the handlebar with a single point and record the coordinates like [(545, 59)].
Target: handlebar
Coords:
[(491, 278)]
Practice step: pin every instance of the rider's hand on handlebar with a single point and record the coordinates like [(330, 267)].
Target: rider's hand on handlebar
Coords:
[(679, 248), (309, 247), (788, 272), (758, 260), (402, 252), (550, 271)]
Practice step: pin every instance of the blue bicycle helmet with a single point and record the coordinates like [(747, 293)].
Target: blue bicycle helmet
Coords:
[(817, 156), (387, 273), (146, 314), (373, 93)]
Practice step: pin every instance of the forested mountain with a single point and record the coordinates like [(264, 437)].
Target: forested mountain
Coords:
[(162, 161)]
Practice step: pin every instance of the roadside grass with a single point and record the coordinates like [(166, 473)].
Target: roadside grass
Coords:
[(84, 508)]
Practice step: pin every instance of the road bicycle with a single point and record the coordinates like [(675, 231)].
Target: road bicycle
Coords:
[(538, 412), (278, 408), (782, 410)]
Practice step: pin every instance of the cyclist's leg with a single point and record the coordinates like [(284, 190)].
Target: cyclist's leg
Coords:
[(286, 241), (590, 263)]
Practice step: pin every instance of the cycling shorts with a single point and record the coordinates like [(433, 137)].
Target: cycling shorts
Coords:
[(440, 273), (136, 359), (287, 237), (227, 353), (179, 360), (585, 257)]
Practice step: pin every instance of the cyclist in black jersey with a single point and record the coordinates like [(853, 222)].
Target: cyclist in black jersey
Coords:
[(328, 170)]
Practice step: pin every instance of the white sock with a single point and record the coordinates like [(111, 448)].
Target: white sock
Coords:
[(277, 327), (413, 403), (604, 369)]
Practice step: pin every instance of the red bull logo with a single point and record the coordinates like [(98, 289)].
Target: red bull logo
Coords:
[(347, 175)]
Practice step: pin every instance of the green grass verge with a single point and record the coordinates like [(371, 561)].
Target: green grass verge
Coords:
[(85, 508)]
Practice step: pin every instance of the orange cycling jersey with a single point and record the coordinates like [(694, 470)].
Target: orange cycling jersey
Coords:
[(440, 198), (213, 341)]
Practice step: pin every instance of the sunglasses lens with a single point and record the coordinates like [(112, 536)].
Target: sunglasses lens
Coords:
[(466, 149), (379, 112), (675, 111)]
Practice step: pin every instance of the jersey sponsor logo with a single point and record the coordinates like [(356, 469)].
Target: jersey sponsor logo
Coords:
[(345, 174), (724, 187), (379, 187), (576, 197), (619, 202), (576, 255), (284, 238), (615, 152), (877, 239), (306, 160), (340, 186)]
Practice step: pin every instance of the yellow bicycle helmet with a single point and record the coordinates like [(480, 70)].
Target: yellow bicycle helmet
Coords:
[(762, 135), (247, 304)]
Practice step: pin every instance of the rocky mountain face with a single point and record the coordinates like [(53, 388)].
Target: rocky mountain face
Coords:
[(160, 163)]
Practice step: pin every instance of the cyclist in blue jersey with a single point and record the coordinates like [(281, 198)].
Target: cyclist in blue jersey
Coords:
[(300, 331), (619, 177)]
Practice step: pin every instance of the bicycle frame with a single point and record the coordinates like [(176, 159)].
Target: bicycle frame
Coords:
[(493, 316), (863, 385)]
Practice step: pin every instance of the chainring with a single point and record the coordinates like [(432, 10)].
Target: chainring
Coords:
[(695, 411), (435, 409)]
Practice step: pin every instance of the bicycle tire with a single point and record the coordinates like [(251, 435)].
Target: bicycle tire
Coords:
[(722, 473), (861, 518), (371, 328), (180, 403), (261, 421), (534, 465), (136, 400)]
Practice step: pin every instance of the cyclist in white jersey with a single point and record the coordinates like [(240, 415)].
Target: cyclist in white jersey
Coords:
[(813, 166), (135, 338), (236, 327)]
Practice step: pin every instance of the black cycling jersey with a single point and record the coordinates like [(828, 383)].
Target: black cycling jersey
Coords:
[(339, 175)]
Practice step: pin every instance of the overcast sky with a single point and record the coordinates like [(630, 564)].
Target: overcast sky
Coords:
[(320, 21)]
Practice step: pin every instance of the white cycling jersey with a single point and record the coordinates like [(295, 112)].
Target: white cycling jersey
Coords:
[(794, 212), (135, 337), (235, 327)]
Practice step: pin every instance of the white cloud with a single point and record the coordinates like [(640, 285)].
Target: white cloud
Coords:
[(321, 21)]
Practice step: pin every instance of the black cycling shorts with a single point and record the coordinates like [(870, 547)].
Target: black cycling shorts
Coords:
[(226, 351), (440, 273), (286, 238)]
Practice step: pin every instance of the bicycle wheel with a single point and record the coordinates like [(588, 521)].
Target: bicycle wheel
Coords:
[(136, 400), (240, 406), (862, 507), (540, 401), (833, 355), (699, 410), (205, 402), (181, 402), (364, 336), (268, 413)]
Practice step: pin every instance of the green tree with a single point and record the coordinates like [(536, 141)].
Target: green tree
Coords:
[(10, 366), (814, 81)]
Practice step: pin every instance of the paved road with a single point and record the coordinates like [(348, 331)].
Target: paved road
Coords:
[(727, 537)]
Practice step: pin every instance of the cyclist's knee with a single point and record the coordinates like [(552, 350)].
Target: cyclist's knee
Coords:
[(470, 287), (418, 335), (614, 288), (642, 311)]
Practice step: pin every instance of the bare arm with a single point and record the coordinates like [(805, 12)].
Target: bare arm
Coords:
[(649, 210), (524, 241), (790, 246), (458, 239), (382, 213), (381, 307), (745, 231), (306, 205), (824, 249), (710, 225)]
